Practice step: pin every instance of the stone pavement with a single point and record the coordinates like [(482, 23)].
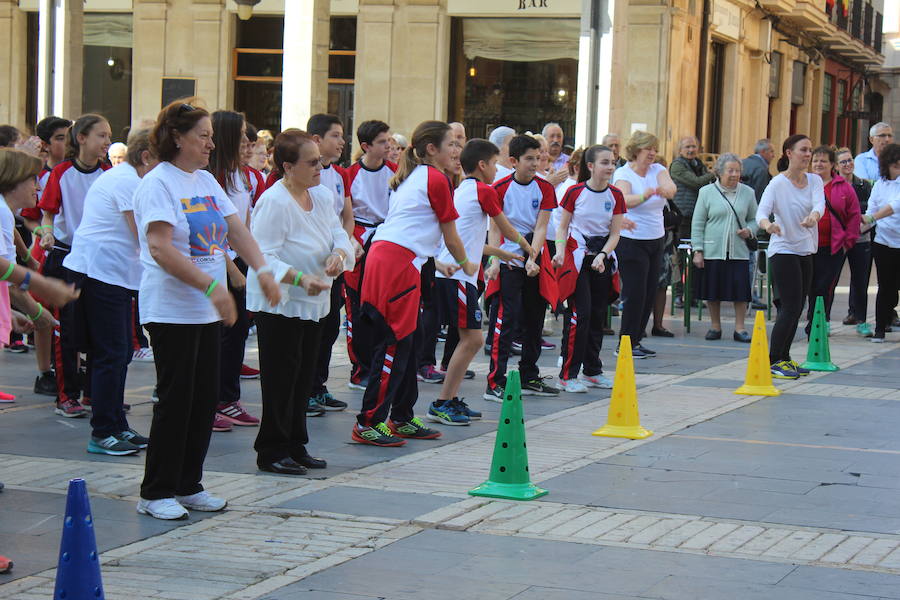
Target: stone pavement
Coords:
[(733, 496)]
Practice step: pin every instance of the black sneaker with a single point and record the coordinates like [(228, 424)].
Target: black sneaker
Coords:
[(329, 402), (877, 337), (637, 352), (17, 347), (645, 350), (413, 429), (516, 349), (494, 394), (537, 387), (132, 436), (45, 384)]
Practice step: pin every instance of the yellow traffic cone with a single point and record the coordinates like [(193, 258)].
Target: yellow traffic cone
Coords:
[(623, 420), (758, 381)]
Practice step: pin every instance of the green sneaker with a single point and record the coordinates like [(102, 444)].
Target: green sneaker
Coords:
[(379, 435), (865, 330), (413, 429)]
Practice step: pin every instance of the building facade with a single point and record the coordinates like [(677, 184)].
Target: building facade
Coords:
[(729, 71)]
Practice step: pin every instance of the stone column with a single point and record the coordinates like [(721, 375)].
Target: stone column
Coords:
[(374, 42), (305, 79), (148, 61), (12, 64), (61, 58)]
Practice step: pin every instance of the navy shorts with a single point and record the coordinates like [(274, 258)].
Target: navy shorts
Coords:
[(458, 303)]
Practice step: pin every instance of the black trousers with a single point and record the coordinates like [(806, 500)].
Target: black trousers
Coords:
[(187, 379), (392, 386), (108, 323), (792, 274), (360, 336), (331, 328), (520, 308), (429, 325), (65, 346), (584, 320), (887, 265), (860, 259), (826, 270), (288, 348), (234, 342), (639, 264)]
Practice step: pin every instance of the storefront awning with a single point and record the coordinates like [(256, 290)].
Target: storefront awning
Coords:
[(522, 40)]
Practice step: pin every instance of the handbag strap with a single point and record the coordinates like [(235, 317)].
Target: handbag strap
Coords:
[(834, 213), (729, 205)]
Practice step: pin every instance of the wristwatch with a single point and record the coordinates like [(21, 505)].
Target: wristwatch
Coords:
[(26, 283)]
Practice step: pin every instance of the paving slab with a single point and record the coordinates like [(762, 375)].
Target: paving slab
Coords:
[(370, 502)]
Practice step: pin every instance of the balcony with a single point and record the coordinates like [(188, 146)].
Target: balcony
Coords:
[(810, 15)]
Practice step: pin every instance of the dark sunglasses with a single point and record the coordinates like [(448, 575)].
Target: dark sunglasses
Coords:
[(185, 108)]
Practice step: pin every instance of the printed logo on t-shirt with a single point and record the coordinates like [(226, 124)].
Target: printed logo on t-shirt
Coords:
[(535, 202), (607, 206), (208, 227)]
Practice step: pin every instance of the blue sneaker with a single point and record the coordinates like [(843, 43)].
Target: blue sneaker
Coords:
[(464, 409), (314, 409), (797, 368), (447, 413), (783, 370)]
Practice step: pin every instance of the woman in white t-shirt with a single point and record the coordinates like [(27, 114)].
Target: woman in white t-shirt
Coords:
[(229, 132), (186, 224), (105, 252), (305, 243), (797, 199), (647, 186)]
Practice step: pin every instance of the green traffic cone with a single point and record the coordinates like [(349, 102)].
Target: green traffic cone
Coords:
[(509, 478), (818, 356)]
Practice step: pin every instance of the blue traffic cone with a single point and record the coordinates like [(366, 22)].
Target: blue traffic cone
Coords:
[(78, 573)]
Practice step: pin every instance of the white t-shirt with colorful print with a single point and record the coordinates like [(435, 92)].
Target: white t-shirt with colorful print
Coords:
[(196, 206)]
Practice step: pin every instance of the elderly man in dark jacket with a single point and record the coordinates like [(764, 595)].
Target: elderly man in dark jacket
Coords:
[(689, 174), (755, 173)]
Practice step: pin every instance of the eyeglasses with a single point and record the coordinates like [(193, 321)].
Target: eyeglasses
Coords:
[(311, 163), (847, 161)]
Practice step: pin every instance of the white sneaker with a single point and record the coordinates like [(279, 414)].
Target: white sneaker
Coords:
[(559, 362), (202, 501), (597, 381), (167, 508), (572, 386), (143, 355)]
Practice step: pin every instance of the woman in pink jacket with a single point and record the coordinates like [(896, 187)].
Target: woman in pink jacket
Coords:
[(838, 230)]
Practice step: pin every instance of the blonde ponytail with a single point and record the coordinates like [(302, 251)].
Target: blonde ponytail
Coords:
[(407, 164)]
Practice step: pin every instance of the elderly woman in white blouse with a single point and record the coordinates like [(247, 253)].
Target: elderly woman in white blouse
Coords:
[(303, 241)]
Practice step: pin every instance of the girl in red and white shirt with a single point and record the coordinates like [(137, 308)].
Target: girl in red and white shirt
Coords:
[(62, 203), (589, 227), (421, 212)]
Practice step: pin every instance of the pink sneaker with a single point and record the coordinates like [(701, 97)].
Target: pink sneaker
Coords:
[(6, 398), (235, 414), (220, 423)]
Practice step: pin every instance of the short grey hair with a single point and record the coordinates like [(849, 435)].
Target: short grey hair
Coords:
[(874, 129), (500, 134), (609, 136), (548, 126), (724, 159), (692, 138), (401, 140), (762, 145)]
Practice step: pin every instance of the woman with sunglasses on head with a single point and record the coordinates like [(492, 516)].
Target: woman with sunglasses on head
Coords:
[(838, 231), (186, 224)]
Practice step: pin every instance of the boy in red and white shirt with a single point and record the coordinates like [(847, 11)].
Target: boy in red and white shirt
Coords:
[(368, 182), (328, 132), (421, 213), (527, 201), (457, 295)]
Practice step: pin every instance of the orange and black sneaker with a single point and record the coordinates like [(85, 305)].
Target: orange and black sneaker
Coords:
[(378, 435), (6, 564), (413, 429)]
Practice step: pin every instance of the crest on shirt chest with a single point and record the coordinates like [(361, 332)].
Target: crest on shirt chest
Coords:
[(535, 203), (607, 206)]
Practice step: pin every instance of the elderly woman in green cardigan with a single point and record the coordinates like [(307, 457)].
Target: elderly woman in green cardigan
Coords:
[(720, 228)]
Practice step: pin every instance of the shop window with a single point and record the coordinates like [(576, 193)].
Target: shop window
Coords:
[(827, 104), (106, 79), (501, 76)]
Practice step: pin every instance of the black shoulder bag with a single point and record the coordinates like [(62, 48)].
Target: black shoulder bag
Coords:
[(751, 242)]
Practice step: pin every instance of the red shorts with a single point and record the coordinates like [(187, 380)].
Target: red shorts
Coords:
[(391, 286)]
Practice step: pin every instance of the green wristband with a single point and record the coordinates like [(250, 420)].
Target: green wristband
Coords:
[(560, 241), (211, 287), (39, 312), (463, 261), (12, 267), (297, 278)]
